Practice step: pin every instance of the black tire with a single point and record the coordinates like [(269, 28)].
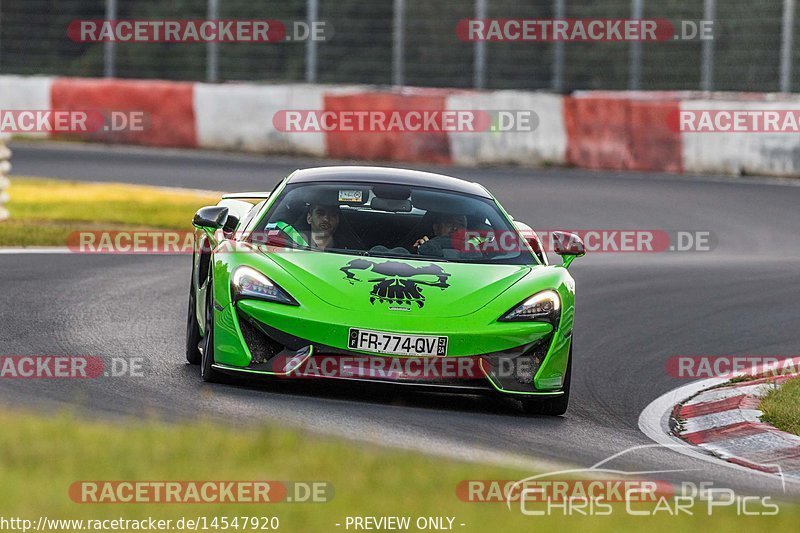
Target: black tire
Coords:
[(193, 338), (553, 406), (206, 371)]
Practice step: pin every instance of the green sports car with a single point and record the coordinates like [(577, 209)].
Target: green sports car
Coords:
[(382, 275)]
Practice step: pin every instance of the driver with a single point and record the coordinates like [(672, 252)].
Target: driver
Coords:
[(445, 227), (324, 221)]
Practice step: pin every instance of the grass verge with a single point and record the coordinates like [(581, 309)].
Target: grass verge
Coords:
[(40, 457), (44, 211), (781, 407)]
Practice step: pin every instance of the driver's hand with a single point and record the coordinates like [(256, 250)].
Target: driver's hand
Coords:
[(421, 241)]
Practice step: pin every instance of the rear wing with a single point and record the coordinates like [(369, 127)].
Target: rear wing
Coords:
[(246, 196)]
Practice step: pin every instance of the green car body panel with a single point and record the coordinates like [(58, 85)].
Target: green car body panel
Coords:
[(333, 296)]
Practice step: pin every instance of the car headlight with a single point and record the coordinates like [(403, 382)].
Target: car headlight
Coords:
[(247, 282), (544, 306)]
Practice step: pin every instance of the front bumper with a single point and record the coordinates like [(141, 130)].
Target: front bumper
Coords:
[(258, 338)]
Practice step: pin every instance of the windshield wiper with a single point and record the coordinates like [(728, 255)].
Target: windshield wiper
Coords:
[(408, 257)]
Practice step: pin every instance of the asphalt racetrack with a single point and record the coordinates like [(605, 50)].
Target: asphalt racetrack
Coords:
[(634, 311)]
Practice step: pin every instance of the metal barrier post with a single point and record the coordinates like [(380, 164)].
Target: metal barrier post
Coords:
[(109, 47), (557, 82), (479, 51), (707, 50), (787, 39), (312, 16), (399, 43), (212, 48), (635, 54)]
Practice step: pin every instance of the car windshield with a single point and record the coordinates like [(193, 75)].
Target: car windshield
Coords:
[(389, 220)]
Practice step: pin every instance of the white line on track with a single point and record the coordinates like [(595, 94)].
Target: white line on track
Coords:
[(27, 251)]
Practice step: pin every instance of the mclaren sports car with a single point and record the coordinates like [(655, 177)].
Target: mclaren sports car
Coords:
[(391, 276)]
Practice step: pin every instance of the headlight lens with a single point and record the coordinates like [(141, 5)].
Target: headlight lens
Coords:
[(250, 283), (544, 306)]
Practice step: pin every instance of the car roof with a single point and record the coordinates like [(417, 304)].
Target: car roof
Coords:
[(366, 174)]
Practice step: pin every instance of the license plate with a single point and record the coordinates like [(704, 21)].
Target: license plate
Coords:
[(397, 344)]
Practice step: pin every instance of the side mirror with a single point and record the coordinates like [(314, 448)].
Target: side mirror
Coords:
[(230, 223), (568, 246), (212, 217)]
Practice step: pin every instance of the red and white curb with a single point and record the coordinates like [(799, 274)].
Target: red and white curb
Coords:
[(717, 420), (726, 422)]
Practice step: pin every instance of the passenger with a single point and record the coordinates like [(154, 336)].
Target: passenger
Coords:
[(324, 221), (445, 227)]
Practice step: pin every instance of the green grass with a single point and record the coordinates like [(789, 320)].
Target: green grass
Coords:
[(44, 212), (40, 457), (781, 407)]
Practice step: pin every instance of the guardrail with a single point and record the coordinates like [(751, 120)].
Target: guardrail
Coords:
[(5, 168)]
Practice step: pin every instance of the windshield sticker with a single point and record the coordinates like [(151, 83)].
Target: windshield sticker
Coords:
[(350, 196)]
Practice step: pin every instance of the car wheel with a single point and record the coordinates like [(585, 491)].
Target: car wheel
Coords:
[(206, 371), (193, 337), (554, 406)]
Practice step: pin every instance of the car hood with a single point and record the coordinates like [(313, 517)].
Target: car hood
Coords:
[(398, 285)]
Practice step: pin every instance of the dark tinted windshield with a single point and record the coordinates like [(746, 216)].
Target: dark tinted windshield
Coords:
[(389, 220)]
